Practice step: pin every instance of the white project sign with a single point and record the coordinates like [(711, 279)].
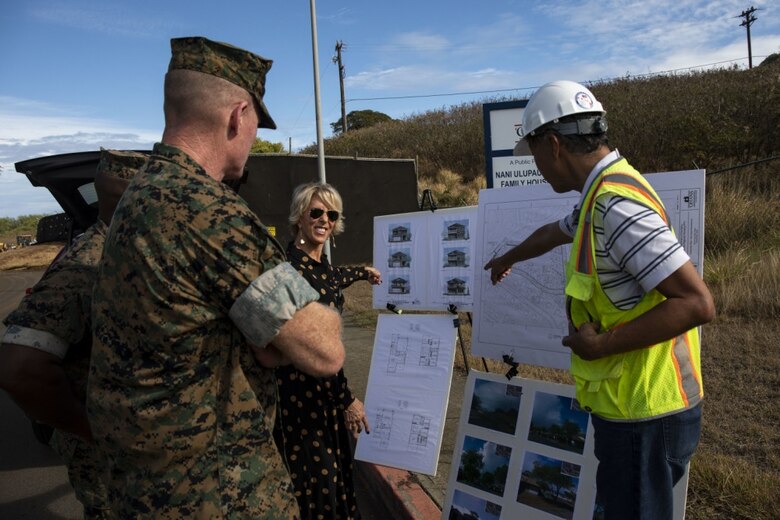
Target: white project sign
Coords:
[(503, 130), (513, 171)]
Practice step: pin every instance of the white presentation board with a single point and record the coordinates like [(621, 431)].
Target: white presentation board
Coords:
[(408, 391), (523, 450), (524, 316), (426, 259)]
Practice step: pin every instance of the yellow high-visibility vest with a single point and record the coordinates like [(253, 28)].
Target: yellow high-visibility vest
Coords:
[(653, 381)]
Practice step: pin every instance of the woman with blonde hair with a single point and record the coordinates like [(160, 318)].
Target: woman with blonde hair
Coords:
[(316, 415)]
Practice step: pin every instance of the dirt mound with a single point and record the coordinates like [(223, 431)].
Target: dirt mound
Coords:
[(38, 256)]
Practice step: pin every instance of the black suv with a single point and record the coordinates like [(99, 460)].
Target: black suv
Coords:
[(70, 179)]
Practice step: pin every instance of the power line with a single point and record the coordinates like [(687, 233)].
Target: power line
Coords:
[(442, 95), (497, 91), (744, 165)]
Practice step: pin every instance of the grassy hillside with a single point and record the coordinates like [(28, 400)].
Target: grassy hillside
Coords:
[(707, 120), (711, 120)]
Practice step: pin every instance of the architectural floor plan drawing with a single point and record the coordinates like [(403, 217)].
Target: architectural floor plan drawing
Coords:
[(426, 356), (396, 358), (383, 426), (408, 389), (524, 315), (421, 429), (429, 352)]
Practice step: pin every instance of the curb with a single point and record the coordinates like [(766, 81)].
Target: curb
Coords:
[(398, 491)]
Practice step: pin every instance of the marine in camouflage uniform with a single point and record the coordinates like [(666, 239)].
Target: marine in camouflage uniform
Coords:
[(189, 276), (54, 319)]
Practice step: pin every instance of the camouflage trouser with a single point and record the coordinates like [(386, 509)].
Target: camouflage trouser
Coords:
[(87, 473)]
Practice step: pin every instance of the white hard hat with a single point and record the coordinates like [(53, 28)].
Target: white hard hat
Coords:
[(559, 99)]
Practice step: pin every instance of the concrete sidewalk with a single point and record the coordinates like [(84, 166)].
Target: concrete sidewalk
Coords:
[(403, 494)]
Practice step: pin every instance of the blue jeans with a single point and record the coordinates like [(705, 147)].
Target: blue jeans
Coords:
[(640, 462)]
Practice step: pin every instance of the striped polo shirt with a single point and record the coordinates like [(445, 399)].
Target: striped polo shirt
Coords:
[(635, 249)]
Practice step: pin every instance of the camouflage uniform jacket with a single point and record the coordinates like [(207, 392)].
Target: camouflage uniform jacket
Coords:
[(56, 313), (175, 396), (55, 318)]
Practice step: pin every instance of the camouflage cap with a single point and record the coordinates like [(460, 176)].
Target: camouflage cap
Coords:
[(225, 61), (119, 164)]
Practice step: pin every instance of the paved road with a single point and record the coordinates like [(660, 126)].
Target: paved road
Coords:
[(33, 481)]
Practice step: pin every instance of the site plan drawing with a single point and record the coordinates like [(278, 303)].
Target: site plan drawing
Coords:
[(426, 258), (408, 390), (524, 315)]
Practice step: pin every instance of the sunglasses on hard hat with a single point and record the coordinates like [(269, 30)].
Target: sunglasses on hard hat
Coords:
[(316, 213)]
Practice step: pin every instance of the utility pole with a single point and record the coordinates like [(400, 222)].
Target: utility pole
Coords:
[(316, 67), (317, 111), (746, 23), (337, 59)]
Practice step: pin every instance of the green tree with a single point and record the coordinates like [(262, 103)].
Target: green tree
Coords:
[(570, 430), (500, 474), (358, 119), (471, 465), (552, 477), (263, 146)]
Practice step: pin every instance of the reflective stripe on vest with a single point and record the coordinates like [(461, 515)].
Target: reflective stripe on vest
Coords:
[(584, 258)]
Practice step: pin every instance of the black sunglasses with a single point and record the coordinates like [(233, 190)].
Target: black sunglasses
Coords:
[(316, 213)]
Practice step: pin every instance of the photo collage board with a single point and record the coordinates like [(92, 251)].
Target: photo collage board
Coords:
[(522, 450), (525, 450), (426, 258)]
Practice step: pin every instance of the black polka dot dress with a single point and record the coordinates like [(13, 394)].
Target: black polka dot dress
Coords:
[(310, 429)]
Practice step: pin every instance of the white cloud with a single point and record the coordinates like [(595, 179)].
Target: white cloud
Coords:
[(18, 197), (421, 42), (106, 18), (433, 79), (491, 460), (644, 34), (30, 129), (342, 16), (588, 40), (23, 121)]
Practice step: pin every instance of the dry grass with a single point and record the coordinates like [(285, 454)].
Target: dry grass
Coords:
[(745, 282), (450, 190), (743, 206), (38, 256), (726, 487)]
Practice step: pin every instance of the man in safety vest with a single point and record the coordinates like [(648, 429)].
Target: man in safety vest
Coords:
[(634, 302)]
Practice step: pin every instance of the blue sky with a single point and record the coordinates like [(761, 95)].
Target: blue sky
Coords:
[(493, 396), (82, 74), (552, 409), (468, 504), (487, 449)]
